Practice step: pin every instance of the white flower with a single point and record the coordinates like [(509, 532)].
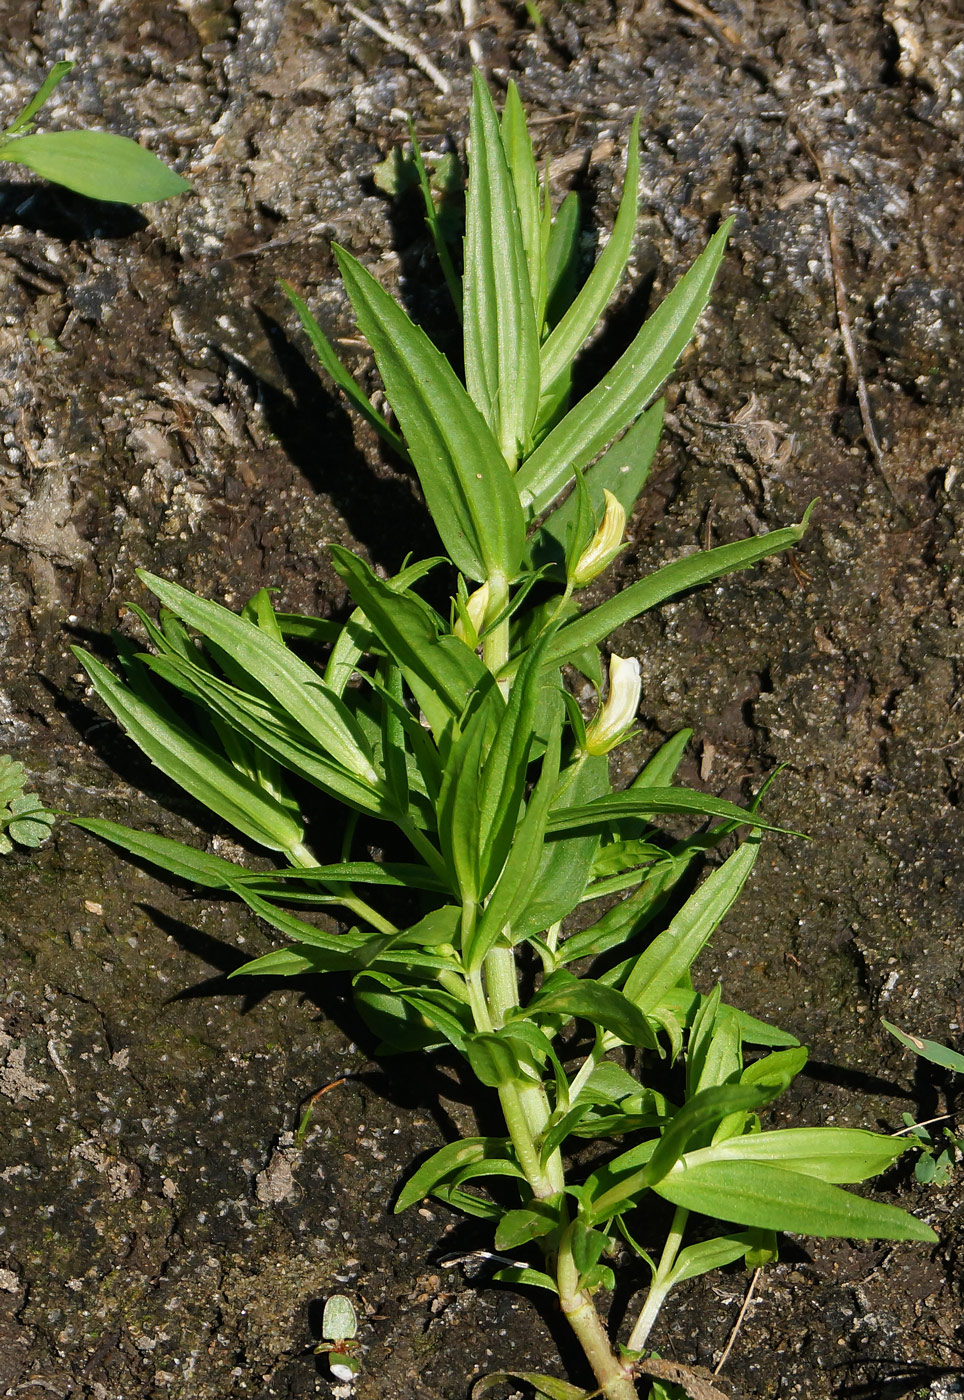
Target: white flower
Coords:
[(614, 719), (604, 545)]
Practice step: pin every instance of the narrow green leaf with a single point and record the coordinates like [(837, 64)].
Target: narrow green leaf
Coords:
[(498, 320), (928, 1049), (623, 469), (240, 716), (660, 770), (519, 158), (562, 262), (292, 683), (780, 1068), (468, 486), (345, 381), (595, 626), (771, 1198), (623, 393), (625, 919), (445, 1163), (704, 1110), (457, 804), (500, 793), (194, 766), (566, 340), (648, 802), (53, 80), (842, 1156), (594, 1002), (669, 957), (534, 1222), (702, 1258), (180, 860), (493, 1060), (523, 858), (565, 866), (356, 637), (98, 164), (684, 1003)]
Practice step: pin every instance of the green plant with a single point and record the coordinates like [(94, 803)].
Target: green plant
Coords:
[(98, 164), (525, 914), (23, 818), (338, 1329), (935, 1165)]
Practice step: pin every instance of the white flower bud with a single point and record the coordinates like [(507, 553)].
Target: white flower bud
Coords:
[(604, 545), (476, 606), (614, 719)]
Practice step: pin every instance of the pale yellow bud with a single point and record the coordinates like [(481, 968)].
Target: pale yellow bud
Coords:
[(476, 606), (604, 545), (614, 719)]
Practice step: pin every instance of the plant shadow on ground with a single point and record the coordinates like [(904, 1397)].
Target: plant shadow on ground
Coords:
[(40, 207)]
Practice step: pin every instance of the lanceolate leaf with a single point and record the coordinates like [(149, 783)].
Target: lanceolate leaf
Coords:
[(928, 1049), (593, 627), (647, 802), (97, 164), (345, 381), (592, 1001), (525, 179), (771, 1198), (468, 486), (523, 858), (624, 392), (566, 340), (446, 1163), (194, 766), (842, 1156), (498, 320), (283, 675), (671, 955), (440, 669)]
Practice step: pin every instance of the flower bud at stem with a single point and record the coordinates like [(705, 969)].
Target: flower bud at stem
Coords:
[(468, 627), (604, 545), (614, 720)]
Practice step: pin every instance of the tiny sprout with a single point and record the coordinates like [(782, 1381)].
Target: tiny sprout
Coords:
[(614, 719), (339, 1325), (604, 545)]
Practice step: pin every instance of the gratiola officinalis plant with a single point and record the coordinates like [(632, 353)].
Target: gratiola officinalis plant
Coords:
[(455, 746)]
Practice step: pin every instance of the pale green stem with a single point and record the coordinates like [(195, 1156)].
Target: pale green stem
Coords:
[(579, 1079), (495, 644), (524, 1103), (614, 1375), (525, 1106), (662, 1282), (302, 857)]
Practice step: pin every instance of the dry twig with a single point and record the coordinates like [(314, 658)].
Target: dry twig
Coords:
[(398, 41)]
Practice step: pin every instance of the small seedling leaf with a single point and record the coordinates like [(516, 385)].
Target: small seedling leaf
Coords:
[(339, 1321), (98, 164)]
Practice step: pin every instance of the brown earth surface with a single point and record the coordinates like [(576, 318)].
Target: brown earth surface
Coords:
[(161, 1235)]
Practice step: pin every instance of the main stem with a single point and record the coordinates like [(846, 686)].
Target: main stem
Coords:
[(525, 1104)]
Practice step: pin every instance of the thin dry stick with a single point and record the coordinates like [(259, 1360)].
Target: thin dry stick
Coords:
[(767, 73), (470, 19), (398, 41), (737, 1324)]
